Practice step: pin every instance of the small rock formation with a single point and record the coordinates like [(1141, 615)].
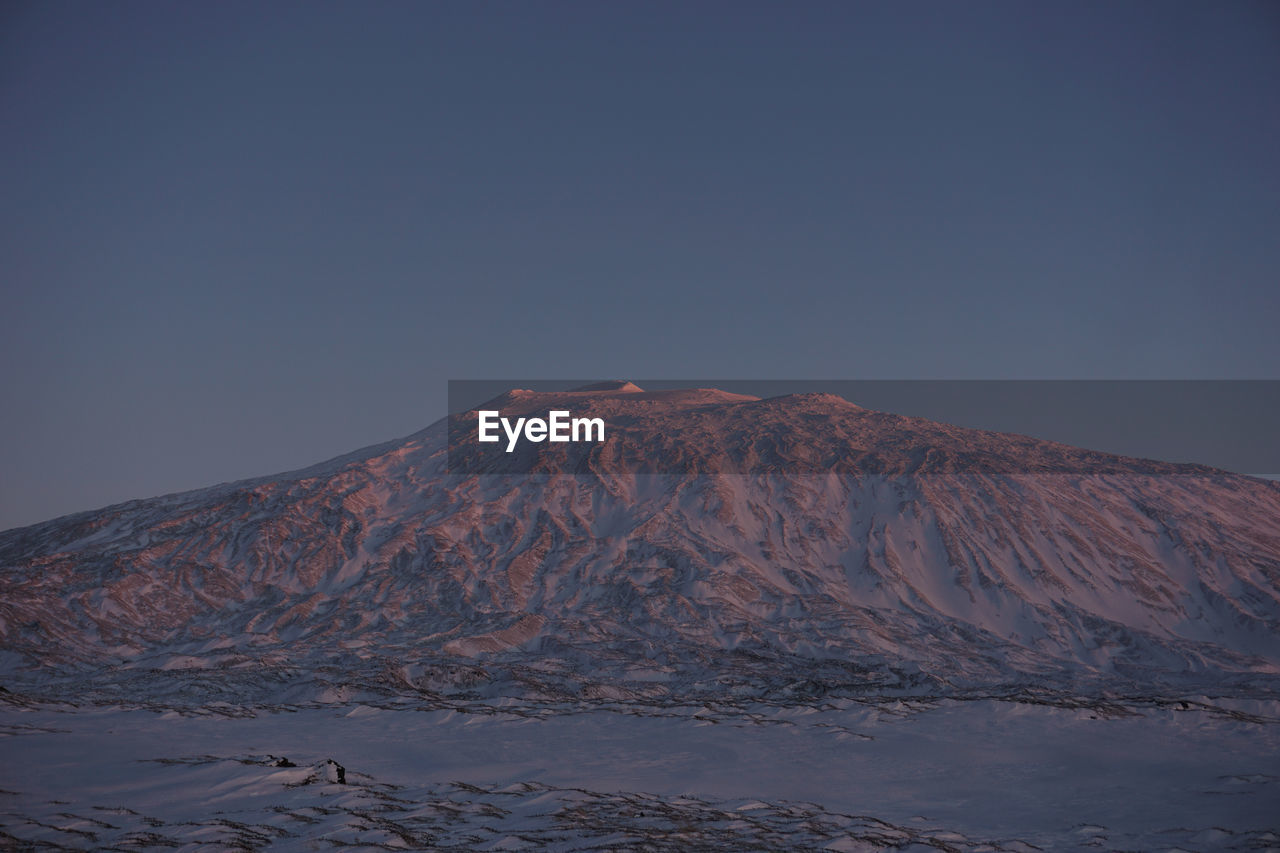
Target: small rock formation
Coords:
[(616, 385)]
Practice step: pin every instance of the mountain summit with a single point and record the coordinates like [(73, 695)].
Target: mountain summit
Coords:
[(793, 540), (618, 386)]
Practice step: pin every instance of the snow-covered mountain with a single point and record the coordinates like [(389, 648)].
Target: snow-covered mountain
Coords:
[(798, 543)]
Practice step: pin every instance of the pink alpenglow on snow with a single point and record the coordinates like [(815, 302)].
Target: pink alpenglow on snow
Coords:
[(673, 635)]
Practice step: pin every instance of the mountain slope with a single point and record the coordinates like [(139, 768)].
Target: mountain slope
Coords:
[(874, 550)]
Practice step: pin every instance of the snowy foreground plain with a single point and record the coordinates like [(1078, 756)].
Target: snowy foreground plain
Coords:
[(838, 774)]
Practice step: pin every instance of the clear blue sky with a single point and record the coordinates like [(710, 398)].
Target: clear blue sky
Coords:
[(238, 238)]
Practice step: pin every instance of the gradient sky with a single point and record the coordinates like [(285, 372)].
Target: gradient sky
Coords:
[(238, 238)]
